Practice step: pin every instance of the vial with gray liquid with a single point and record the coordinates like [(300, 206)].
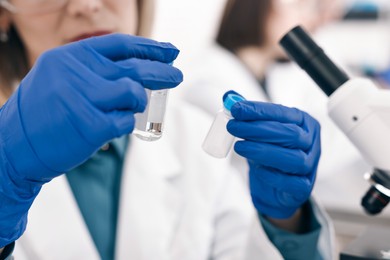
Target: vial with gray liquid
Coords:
[(149, 124), (219, 141)]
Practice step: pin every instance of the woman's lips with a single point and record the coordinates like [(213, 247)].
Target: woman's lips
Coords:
[(89, 35)]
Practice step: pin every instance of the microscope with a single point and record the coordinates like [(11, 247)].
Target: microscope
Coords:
[(359, 108)]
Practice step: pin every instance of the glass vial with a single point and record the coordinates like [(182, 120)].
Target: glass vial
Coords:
[(219, 141), (149, 124)]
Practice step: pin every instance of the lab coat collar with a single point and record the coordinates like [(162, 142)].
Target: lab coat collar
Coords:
[(150, 205), (56, 229)]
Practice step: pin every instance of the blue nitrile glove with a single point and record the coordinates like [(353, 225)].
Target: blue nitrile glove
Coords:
[(75, 99), (383, 76), (283, 148)]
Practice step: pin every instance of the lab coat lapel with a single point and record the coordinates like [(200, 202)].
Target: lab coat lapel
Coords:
[(150, 200), (56, 229)]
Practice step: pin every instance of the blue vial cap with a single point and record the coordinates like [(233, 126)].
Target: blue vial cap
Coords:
[(231, 99)]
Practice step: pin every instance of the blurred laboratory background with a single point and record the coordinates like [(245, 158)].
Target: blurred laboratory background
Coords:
[(359, 42)]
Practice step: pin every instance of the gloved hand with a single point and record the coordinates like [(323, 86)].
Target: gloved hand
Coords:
[(283, 148), (75, 99)]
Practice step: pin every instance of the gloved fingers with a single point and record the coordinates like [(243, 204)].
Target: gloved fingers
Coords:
[(289, 189), (93, 125), (270, 210), (107, 95), (122, 121), (253, 111), (122, 46), (283, 134), (121, 94), (110, 125), (265, 200), (85, 118), (151, 74), (293, 161), (310, 124)]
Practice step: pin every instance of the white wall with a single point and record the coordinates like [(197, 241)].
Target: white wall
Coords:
[(190, 24), (187, 24)]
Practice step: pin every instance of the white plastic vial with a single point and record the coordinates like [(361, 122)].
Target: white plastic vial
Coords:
[(149, 124), (219, 141)]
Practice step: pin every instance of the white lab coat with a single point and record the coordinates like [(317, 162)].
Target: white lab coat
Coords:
[(211, 74), (176, 203)]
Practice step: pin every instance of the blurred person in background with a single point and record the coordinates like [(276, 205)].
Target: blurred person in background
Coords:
[(246, 46)]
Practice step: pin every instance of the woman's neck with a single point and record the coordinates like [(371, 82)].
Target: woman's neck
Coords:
[(256, 60)]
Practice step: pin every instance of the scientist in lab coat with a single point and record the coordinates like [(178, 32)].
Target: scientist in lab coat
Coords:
[(169, 200)]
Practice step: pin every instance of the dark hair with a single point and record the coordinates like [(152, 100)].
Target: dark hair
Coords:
[(13, 62), (13, 58), (243, 24)]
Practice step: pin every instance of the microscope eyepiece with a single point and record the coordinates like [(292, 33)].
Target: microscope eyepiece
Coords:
[(378, 196), (374, 201), (301, 48)]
